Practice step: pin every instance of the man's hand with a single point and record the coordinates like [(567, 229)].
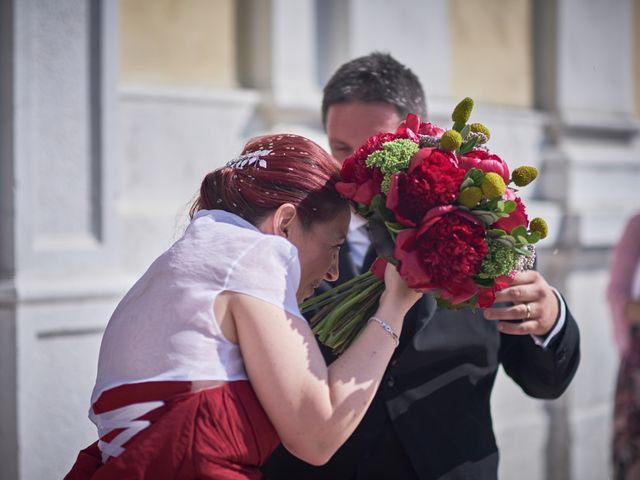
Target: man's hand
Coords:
[(534, 302)]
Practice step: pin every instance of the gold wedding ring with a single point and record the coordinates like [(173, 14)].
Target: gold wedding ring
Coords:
[(528, 311)]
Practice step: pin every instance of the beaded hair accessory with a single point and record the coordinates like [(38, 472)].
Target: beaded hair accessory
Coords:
[(249, 159)]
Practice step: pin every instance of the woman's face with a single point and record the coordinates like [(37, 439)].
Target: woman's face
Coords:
[(318, 247)]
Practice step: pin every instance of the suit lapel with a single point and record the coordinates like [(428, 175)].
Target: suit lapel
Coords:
[(426, 309)]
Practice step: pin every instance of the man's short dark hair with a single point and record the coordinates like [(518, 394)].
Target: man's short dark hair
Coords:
[(377, 77)]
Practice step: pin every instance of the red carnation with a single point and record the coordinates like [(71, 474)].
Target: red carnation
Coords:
[(444, 253), (433, 179)]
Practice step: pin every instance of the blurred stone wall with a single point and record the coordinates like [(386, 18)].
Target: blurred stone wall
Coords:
[(112, 112)]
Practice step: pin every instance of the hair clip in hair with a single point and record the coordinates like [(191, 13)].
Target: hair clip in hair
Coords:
[(249, 159)]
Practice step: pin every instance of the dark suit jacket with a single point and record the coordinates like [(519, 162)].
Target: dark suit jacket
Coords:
[(431, 417)]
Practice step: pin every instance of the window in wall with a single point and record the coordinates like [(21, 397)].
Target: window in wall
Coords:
[(184, 43), (253, 43), (491, 51)]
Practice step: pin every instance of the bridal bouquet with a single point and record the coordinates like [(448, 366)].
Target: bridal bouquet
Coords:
[(440, 207)]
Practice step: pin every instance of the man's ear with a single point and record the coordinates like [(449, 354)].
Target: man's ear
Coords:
[(283, 219)]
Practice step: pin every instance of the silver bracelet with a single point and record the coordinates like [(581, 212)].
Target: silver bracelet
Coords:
[(387, 328)]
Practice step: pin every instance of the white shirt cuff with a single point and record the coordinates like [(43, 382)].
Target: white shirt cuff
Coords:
[(543, 342)]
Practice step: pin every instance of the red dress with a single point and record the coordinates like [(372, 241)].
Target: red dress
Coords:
[(218, 433), (164, 335)]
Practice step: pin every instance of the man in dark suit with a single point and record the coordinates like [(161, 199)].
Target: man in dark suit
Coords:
[(431, 418)]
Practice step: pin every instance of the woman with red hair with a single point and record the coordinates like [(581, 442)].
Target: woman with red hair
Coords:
[(206, 363)]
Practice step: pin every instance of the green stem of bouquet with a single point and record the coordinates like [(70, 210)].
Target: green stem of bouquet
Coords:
[(358, 320), (346, 315), (339, 322), (338, 311), (313, 302), (330, 297)]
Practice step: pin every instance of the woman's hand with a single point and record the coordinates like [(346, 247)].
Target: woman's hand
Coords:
[(396, 293)]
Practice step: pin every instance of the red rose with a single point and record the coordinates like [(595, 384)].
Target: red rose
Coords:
[(378, 267), (504, 281), (485, 161), (433, 179), (430, 129), (444, 253), (361, 183), (412, 126), (515, 218), (486, 297), (360, 193)]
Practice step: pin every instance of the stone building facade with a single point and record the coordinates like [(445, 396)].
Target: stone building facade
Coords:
[(112, 111)]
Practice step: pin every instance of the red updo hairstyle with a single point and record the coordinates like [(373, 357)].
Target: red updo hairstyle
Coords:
[(283, 169)]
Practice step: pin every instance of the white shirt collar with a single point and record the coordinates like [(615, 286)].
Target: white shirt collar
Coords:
[(356, 222), (225, 217)]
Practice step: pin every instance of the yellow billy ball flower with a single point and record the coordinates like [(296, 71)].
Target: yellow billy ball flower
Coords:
[(450, 140), (539, 225), (480, 128), (470, 196), (522, 176), (462, 112), (493, 185)]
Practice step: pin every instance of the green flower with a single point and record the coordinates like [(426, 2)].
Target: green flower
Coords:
[(522, 176), (450, 140), (539, 225), (493, 185), (394, 157), (462, 112), (470, 197), (500, 260), (480, 128)]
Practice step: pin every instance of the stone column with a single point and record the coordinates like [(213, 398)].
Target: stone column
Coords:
[(8, 421), (59, 258)]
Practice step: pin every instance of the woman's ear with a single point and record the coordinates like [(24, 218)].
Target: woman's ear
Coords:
[(283, 219)]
